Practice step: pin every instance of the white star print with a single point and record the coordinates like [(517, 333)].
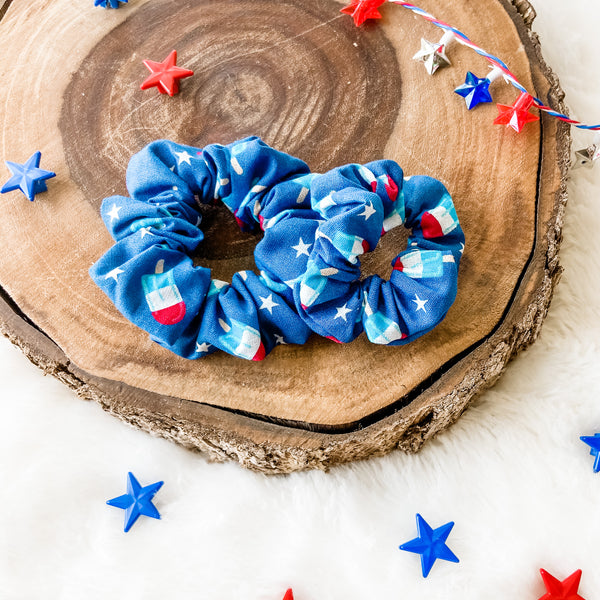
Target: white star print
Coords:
[(279, 339), (342, 311), (369, 211), (114, 212), (267, 303), (462, 247), (183, 157), (114, 273), (203, 347), (301, 248), (420, 303), (145, 231)]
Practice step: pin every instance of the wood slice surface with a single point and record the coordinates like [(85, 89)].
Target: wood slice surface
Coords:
[(304, 78)]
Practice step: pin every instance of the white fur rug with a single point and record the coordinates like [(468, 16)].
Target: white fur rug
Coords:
[(511, 473)]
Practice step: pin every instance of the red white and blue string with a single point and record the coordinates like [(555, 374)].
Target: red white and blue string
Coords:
[(462, 38)]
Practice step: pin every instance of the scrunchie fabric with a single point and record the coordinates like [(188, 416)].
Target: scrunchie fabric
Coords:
[(315, 228), (148, 273), (352, 206), (330, 296)]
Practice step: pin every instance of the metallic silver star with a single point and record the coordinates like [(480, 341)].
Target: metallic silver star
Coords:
[(586, 157), (432, 55)]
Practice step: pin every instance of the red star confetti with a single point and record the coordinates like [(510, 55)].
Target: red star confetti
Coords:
[(561, 590), (165, 75), (517, 115), (361, 10), (289, 595)]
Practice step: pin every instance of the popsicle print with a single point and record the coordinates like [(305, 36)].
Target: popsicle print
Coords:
[(162, 296)]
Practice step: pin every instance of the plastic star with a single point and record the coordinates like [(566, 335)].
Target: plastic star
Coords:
[(109, 3), (517, 115), (432, 55), (137, 501), (474, 90), (593, 441), (28, 177), (165, 75), (431, 544), (561, 590), (586, 157), (361, 10)]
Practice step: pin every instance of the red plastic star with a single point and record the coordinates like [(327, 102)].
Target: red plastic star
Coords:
[(165, 75), (361, 10), (561, 590), (518, 114), (289, 595)]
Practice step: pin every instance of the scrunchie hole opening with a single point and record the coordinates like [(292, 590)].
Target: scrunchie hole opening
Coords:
[(225, 248), (378, 262)]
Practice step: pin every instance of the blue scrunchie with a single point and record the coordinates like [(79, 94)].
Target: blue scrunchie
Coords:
[(352, 206), (153, 282)]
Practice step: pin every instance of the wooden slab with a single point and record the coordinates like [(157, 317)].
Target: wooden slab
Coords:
[(300, 75)]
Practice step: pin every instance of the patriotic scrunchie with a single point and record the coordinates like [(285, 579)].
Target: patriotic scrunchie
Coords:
[(148, 273), (352, 207), (315, 227)]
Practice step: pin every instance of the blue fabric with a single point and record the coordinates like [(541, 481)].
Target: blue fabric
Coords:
[(315, 228)]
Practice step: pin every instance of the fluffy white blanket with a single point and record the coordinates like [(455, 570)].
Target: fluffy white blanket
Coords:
[(511, 473)]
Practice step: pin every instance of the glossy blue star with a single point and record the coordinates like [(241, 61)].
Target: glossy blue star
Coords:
[(109, 3), (474, 90), (594, 442), (137, 501), (28, 177), (431, 544)]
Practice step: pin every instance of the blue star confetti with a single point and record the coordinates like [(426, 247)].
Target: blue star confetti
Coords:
[(137, 501), (27, 177), (431, 544), (109, 3), (474, 90), (594, 442)]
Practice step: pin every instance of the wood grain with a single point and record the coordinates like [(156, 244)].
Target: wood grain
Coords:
[(304, 78)]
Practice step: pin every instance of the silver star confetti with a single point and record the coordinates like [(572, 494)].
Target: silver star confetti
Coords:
[(586, 157), (432, 55)]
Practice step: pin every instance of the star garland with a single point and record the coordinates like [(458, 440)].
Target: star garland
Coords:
[(475, 90)]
